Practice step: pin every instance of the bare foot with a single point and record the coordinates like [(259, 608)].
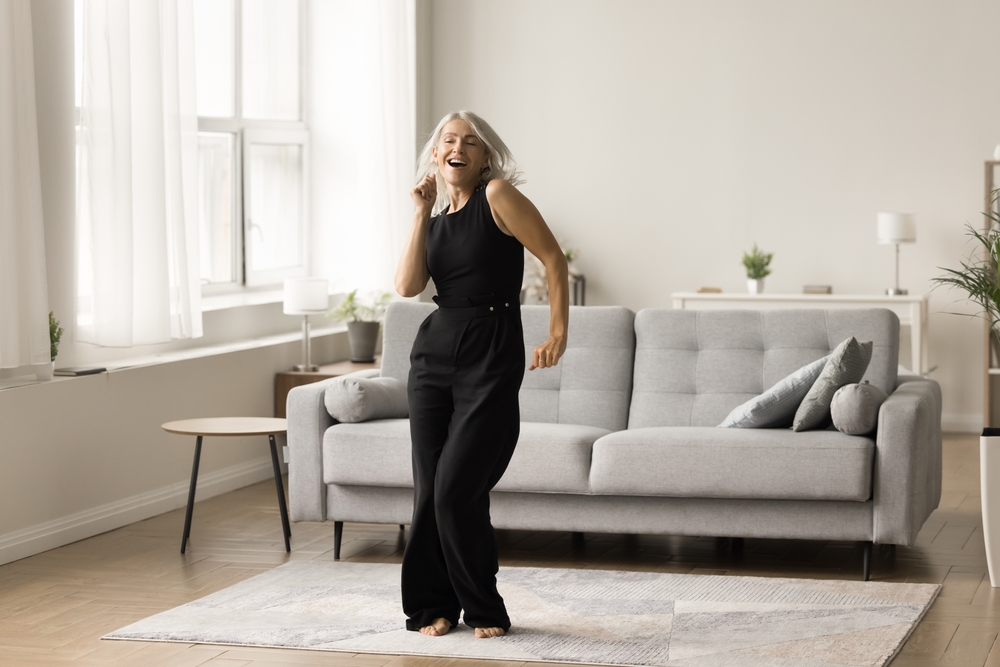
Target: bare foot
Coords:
[(485, 633), (440, 626)]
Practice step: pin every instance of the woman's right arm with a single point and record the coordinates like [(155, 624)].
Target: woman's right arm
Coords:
[(412, 275)]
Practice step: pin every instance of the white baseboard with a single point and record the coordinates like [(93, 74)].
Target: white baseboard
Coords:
[(36, 539), (962, 422)]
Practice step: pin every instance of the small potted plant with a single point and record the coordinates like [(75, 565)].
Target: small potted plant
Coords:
[(363, 323), (44, 371), (756, 263)]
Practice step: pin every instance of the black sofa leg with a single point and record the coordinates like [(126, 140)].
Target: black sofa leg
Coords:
[(338, 534), (738, 545), (402, 527), (867, 566)]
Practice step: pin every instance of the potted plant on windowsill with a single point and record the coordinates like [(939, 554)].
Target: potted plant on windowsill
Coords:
[(44, 371), (756, 263), (363, 323)]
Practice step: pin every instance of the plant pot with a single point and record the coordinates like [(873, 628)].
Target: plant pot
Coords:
[(43, 372), (362, 337), (755, 286), (989, 471)]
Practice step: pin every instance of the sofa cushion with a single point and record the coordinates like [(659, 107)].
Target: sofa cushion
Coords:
[(350, 398), (847, 364), (855, 408), (776, 407), (549, 458), (708, 462)]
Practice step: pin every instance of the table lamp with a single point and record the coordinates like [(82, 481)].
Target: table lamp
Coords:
[(896, 228), (306, 296)]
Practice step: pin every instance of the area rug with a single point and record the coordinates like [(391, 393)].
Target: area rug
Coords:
[(602, 617)]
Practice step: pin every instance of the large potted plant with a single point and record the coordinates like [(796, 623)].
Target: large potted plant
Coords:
[(363, 323), (979, 278)]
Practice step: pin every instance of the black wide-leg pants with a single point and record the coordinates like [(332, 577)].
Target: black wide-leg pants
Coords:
[(466, 369)]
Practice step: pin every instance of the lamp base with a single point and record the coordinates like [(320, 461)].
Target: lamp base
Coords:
[(305, 368), (896, 291)]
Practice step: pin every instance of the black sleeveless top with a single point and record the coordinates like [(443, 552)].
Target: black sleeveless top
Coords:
[(468, 255)]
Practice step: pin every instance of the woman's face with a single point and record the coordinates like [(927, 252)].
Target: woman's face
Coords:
[(460, 155)]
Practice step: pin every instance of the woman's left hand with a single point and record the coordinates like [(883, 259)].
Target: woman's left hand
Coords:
[(548, 353)]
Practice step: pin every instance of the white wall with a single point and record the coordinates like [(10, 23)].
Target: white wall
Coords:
[(662, 139)]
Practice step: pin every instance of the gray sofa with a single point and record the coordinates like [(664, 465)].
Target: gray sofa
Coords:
[(621, 436)]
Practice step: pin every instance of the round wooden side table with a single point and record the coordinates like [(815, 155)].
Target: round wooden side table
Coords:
[(230, 427)]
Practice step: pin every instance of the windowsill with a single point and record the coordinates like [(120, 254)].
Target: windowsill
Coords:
[(241, 298), (182, 355)]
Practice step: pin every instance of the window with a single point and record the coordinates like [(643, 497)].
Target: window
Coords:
[(253, 145), (253, 157)]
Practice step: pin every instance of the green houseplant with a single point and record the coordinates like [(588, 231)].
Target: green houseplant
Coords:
[(55, 335), (756, 262), (363, 322), (979, 276)]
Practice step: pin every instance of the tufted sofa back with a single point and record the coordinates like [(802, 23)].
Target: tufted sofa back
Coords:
[(692, 367), (590, 386)]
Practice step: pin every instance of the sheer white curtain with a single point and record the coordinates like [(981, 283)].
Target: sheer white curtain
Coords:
[(363, 129), (388, 161), (137, 225), (24, 324)]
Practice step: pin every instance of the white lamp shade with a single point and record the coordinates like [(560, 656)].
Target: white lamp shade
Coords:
[(306, 296), (897, 228)]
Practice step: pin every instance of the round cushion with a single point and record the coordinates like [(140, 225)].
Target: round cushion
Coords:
[(855, 408)]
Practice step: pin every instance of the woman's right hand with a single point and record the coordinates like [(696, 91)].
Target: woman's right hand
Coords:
[(424, 195)]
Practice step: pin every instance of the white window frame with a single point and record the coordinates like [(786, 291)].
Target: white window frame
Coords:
[(281, 138), (285, 132)]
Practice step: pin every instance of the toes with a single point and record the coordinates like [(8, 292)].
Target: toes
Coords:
[(486, 633)]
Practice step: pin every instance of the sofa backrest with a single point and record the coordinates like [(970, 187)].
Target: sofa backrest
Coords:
[(692, 367), (402, 320), (591, 385)]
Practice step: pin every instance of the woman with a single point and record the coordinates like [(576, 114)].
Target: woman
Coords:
[(466, 366)]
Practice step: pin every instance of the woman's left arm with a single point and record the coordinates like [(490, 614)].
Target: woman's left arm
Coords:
[(517, 215)]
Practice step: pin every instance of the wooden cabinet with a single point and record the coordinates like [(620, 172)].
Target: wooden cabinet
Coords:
[(288, 380)]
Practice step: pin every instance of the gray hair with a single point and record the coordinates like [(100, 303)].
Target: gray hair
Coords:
[(501, 165)]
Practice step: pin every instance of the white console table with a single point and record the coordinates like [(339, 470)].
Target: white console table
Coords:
[(910, 308)]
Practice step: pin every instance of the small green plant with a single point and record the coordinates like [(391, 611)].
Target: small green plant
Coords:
[(55, 335), (351, 309), (756, 263)]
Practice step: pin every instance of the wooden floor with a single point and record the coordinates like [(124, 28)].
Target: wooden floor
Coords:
[(55, 606)]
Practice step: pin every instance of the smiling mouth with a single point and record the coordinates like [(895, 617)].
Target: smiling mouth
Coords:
[(455, 164)]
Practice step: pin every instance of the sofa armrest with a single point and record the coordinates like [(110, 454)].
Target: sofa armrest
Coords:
[(907, 476), (307, 423)]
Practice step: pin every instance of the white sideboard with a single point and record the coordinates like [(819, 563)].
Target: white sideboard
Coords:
[(910, 308)]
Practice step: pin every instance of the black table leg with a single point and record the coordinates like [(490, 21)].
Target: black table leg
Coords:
[(194, 483), (281, 493)]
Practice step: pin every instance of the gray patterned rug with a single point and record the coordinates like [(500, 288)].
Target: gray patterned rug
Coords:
[(586, 616)]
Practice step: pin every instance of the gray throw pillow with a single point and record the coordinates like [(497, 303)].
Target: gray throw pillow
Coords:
[(855, 408), (357, 399), (847, 364), (776, 406)]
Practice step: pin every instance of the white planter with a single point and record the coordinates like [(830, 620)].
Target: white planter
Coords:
[(44, 372), (755, 286), (989, 487)]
